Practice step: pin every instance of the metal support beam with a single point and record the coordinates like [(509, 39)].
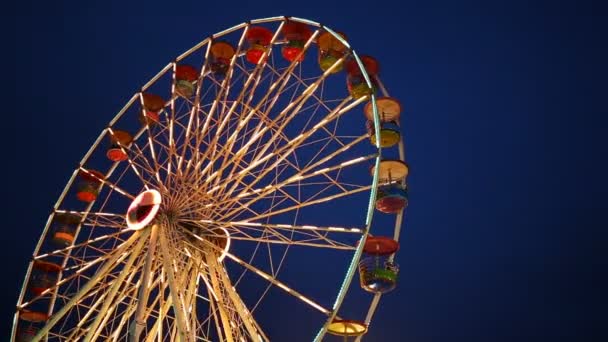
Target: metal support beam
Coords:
[(104, 311), (174, 288), (215, 283), (144, 291), (118, 254)]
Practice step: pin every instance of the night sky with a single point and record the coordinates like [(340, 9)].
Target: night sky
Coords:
[(505, 129)]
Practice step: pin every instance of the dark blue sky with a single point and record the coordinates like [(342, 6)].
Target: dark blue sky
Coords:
[(505, 126)]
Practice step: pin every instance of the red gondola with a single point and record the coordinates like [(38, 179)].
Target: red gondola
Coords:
[(44, 276), (119, 140), (296, 34), (88, 189), (356, 82), (259, 39), (377, 271), (185, 76)]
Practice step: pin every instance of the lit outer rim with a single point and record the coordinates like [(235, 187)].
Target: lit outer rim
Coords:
[(352, 268), (157, 198)]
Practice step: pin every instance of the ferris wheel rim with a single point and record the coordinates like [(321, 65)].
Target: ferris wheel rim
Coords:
[(136, 96)]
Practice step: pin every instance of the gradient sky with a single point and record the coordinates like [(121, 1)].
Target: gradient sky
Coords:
[(505, 235)]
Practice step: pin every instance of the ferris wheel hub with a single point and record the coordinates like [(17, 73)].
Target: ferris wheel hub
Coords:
[(143, 209), (216, 235)]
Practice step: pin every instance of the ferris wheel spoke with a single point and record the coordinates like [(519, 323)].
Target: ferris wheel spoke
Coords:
[(80, 267), (131, 310), (224, 122), (301, 175), (150, 144), (174, 288), (129, 159), (96, 219), (243, 123), (274, 281), (151, 173), (164, 305), (196, 107), (220, 194), (156, 330), (93, 215), (215, 315), (257, 136), (128, 312), (193, 145), (282, 81), (177, 132), (292, 144), (65, 250), (171, 120), (117, 290), (144, 290), (154, 176), (163, 315), (229, 300), (187, 144), (264, 192), (78, 331), (287, 227), (84, 289), (205, 326), (307, 236), (221, 98), (301, 205), (219, 309), (191, 297), (303, 83), (235, 158), (286, 150), (188, 280), (144, 165), (108, 183)]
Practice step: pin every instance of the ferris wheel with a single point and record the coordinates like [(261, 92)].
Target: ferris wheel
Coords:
[(254, 160)]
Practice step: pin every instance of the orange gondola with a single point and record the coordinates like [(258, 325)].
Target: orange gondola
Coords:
[(30, 323), (152, 105), (389, 109), (331, 49), (221, 55), (64, 226)]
